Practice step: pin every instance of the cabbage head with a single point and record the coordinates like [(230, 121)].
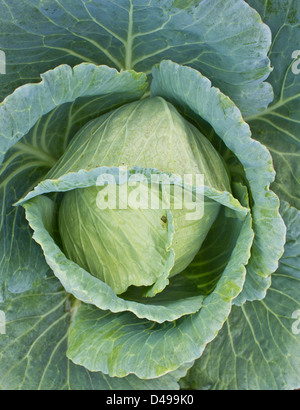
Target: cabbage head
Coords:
[(152, 243)]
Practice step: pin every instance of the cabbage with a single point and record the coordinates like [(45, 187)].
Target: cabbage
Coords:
[(149, 195), (141, 133)]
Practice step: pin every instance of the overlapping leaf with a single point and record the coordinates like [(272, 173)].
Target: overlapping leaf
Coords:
[(120, 344), (46, 115), (189, 91), (134, 34), (258, 348), (41, 214)]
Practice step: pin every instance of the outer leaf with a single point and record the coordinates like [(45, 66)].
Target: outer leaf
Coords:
[(34, 111), (21, 110), (278, 127), (134, 34), (189, 91), (33, 350), (258, 348), (40, 212)]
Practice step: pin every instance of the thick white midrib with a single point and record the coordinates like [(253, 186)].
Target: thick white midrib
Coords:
[(128, 58)]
